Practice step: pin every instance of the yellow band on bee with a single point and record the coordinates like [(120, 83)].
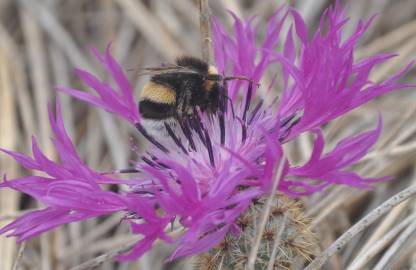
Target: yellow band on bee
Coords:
[(212, 70), (158, 93)]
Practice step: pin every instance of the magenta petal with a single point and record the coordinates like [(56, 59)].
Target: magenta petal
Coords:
[(34, 186), (300, 26), (120, 102), (33, 223), (138, 250), (151, 232), (202, 245), (188, 184), (71, 191), (81, 95), (25, 161), (330, 167)]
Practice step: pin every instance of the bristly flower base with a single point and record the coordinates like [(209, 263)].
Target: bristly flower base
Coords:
[(287, 242)]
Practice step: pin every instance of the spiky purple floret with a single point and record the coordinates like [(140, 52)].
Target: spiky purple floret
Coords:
[(71, 190), (212, 169), (327, 80), (330, 168), (322, 78), (120, 102)]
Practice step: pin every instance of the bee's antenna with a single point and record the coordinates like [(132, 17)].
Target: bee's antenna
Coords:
[(162, 68), (128, 170), (165, 70), (240, 78), (248, 100)]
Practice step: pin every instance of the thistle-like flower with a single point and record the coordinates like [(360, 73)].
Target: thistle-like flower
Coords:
[(207, 175)]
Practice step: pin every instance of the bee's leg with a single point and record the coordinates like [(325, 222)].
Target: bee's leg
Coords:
[(175, 138), (150, 138), (221, 121), (255, 111), (248, 100), (196, 125), (246, 108), (128, 170), (185, 126), (287, 124)]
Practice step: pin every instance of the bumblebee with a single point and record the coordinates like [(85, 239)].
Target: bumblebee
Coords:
[(178, 91)]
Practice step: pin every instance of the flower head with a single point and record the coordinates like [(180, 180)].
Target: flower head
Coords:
[(206, 173)]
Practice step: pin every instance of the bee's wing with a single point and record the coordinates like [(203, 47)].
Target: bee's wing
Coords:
[(167, 69)]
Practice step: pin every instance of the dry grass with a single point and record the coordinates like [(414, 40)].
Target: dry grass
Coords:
[(43, 40)]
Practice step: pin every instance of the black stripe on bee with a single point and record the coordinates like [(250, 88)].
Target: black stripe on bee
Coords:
[(156, 111)]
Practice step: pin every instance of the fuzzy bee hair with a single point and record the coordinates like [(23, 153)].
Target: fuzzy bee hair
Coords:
[(176, 91)]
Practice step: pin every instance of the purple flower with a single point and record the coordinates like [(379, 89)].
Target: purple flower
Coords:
[(205, 175), (71, 190), (121, 102)]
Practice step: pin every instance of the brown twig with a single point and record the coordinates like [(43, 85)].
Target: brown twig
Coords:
[(205, 29)]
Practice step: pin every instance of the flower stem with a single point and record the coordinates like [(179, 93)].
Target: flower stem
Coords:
[(205, 29), (257, 240)]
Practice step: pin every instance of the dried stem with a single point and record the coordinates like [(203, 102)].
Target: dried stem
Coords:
[(257, 240), (19, 256), (360, 226), (205, 29), (75, 249), (384, 226), (394, 249), (379, 245), (277, 243), (111, 254), (103, 258)]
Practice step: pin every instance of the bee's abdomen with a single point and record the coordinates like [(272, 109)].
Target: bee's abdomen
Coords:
[(158, 93), (157, 101), (157, 111)]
